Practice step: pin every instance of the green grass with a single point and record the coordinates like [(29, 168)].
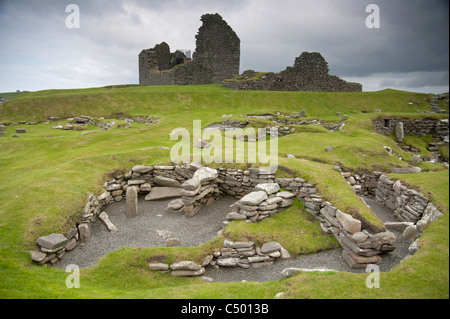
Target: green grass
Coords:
[(47, 175)]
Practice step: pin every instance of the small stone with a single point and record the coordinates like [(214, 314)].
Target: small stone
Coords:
[(84, 230), (71, 244), (270, 247), (185, 265), (37, 256), (329, 148), (159, 266), (188, 273), (228, 262)]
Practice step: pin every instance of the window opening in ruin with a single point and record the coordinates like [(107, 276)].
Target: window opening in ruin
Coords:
[(387, 122)]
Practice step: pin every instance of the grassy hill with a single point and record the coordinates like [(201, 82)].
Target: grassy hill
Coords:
[(47, 174)]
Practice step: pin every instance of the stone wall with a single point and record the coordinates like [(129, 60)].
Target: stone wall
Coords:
[(260, 196), (309, 73), (216, 58), (414, 127)]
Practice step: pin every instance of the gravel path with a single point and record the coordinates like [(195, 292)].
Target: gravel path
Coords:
[(153, 225)]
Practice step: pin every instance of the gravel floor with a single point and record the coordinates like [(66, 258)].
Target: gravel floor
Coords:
[(150, 228), (153, 225)]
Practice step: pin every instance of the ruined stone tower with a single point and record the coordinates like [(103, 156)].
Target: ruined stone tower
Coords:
[(217, 57)]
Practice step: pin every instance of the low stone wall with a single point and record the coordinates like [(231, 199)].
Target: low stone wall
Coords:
[(260, 196), (260, 204), (414, 127), (233, 254)]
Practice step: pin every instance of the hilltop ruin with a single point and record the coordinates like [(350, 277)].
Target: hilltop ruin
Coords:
[(216, 60)]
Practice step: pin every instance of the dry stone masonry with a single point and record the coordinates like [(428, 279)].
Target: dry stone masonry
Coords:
[(260, 195), (309, 73), (217, 57)]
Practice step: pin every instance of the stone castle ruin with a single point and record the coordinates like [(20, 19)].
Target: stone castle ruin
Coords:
[(309, 73), (216, 60)]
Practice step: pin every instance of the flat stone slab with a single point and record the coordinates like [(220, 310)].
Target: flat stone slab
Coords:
[(163, 193), (254, 198), (185, 265), (270, 247), (52, 241), (269, 188)]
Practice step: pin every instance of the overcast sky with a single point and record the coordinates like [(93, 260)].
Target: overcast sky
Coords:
[(409, 50)]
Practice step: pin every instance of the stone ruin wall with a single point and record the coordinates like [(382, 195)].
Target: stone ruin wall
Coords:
[(361, 243), (309, 73), (413, 127), (216, 58)]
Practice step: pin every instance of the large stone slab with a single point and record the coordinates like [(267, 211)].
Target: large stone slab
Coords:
[(254, 198), (52, 241), (163, 193), (142, 169), (166, 182)]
